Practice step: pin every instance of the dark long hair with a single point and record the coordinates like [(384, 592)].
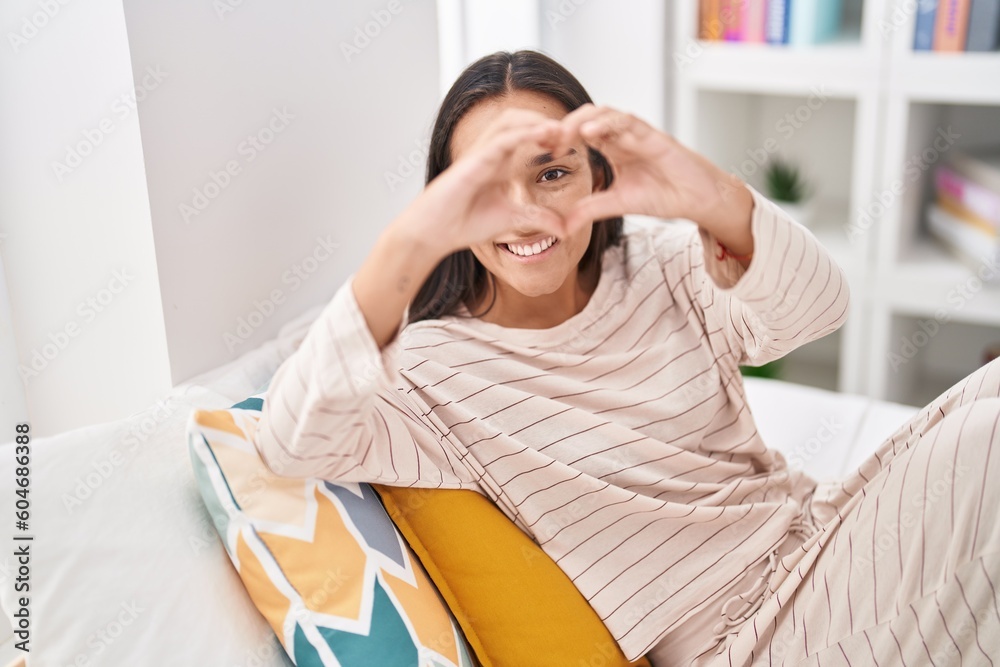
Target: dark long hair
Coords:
[(460, 277)]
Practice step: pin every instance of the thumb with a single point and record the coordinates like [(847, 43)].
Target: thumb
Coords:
[(597, 206), (541, 217)]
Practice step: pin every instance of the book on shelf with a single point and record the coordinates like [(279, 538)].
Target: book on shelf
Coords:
[(957, 25), (776, 22), (981, 165), (984, 26), (794, 22), (923, 37), (966, 213), (982, 204), (951, 25), (973, 245), (754, 19), (733, 15), (813, 22), (710, 22)]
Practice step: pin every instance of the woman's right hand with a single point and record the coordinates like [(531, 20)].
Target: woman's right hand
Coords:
[(468, 203)]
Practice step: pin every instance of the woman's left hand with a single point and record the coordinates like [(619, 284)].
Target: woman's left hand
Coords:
[(656, 175)]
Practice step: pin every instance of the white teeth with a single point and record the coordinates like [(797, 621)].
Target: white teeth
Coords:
[(529, 250)]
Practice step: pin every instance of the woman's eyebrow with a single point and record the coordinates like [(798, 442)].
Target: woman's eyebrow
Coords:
[(545, 158)]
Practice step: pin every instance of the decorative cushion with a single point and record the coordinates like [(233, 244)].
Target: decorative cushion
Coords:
[(322, 562), (515, 605)]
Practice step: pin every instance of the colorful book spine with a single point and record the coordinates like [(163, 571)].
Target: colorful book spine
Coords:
[(973, 245), (965, 216), (951, 25), (710, 22), (754, 26), (984, 26), (981, 166), (813, 21), (776, 25), (923, 37), (980, 201), (734, 19)]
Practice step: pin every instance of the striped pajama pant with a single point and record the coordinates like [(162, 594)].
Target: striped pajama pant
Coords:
[(902, 564)]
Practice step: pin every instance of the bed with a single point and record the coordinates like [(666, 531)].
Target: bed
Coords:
[(126, 563)]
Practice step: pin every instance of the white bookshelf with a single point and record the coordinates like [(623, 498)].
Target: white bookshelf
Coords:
[(884, 103), (916, 280)]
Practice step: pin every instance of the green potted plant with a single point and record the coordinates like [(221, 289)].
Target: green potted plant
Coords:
[(787, 187), (771, 369)]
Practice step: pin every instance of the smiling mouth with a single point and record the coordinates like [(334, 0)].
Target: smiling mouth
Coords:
[(526, 251)]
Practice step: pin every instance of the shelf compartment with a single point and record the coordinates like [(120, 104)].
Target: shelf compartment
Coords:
[(925, 356), (966, 78), (840, 69)]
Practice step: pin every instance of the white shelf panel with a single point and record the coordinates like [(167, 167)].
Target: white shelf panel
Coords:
[(840, 69), (930, 278), (829, 226), (954, 78)]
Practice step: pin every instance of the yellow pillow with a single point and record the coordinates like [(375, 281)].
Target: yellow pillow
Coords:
[(516, 607)]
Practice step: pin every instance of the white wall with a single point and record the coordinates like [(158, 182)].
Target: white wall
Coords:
[(207, 78), (69, 229), (620, 52), (267, 148)]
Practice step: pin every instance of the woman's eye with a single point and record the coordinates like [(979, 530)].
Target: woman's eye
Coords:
[(553, 174)]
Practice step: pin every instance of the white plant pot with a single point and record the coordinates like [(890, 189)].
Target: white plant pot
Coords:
[(800, 211)]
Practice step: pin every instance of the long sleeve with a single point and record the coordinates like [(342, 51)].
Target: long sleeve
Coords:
[(336, 409), (792, 292)]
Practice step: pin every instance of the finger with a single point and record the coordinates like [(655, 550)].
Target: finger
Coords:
[(541, 218), (509, 119), (572, 122), (597, 206), (492, 158), (611, 136)]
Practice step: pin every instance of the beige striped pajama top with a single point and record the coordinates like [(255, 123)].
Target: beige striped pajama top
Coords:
[(620, 440)]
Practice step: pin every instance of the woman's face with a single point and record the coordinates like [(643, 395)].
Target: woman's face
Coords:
[(536, 180)]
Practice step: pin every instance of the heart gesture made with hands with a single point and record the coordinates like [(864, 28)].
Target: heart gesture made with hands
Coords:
[(475, 199), (654, 175)]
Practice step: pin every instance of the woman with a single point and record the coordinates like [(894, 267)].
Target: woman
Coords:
[(509, 334)]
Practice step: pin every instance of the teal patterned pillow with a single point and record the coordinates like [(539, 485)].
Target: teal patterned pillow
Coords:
[(322, 562)]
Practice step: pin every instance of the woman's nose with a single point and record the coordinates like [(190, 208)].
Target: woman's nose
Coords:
[(519, 195)]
